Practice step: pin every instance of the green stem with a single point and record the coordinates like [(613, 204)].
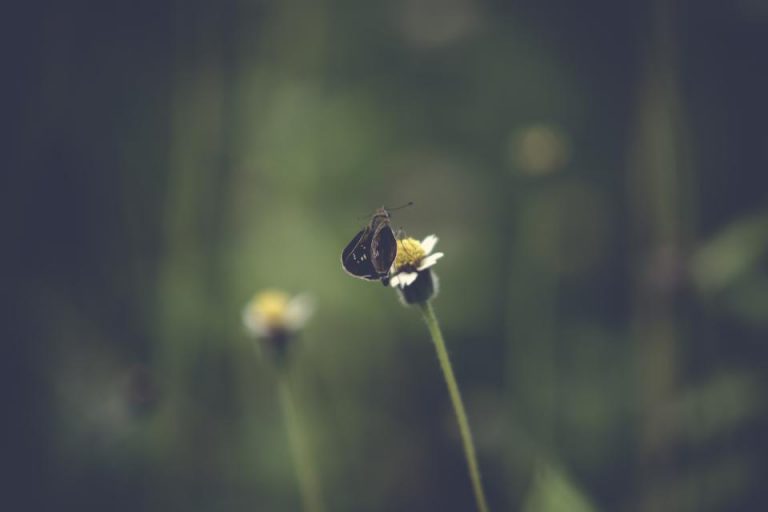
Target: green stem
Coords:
[(458, 405), (309, 485)]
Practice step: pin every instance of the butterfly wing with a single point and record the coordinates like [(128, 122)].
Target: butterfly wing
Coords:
[(383, 249), (356, 257)]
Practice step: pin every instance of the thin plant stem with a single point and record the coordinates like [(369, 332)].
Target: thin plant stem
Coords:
[(309, 485), (458, 406)]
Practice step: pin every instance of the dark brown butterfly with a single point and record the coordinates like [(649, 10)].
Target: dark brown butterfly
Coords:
[(372, 251)]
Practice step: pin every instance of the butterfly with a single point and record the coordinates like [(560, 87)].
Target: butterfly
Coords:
[(372, 251)]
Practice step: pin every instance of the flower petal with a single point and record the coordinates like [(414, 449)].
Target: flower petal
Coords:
[(298, 311), (429, 243), (429, 261), (395, 280), (407, 278), (254, 322)]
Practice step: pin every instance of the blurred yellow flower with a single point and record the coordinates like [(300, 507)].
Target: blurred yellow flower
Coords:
[(540, 149), (273, 312)]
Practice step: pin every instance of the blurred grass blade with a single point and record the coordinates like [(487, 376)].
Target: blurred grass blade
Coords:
[(553, 491)]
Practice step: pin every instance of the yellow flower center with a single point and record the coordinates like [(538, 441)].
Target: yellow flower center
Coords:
[(409, 254), (270, 305)]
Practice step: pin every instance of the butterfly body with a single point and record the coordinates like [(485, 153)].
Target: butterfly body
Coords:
[(372, 251)]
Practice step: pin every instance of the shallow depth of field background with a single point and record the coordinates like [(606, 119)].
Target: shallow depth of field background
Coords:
[(595, 172)]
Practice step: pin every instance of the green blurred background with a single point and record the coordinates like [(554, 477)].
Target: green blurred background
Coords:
[(595, 172)]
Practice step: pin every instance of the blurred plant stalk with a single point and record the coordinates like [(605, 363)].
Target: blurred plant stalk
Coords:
[(661, 208), (309, 484)]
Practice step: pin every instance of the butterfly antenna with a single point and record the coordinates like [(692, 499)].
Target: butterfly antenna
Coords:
[(409, 203), (368, 215)]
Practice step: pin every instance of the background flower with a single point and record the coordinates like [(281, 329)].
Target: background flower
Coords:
[(275, 317), (274, 310)]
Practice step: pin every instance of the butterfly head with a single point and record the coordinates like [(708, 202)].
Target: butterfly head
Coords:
[(381, 215)]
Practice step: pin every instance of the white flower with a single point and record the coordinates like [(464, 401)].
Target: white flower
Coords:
[(412, 258), (273, 312)]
